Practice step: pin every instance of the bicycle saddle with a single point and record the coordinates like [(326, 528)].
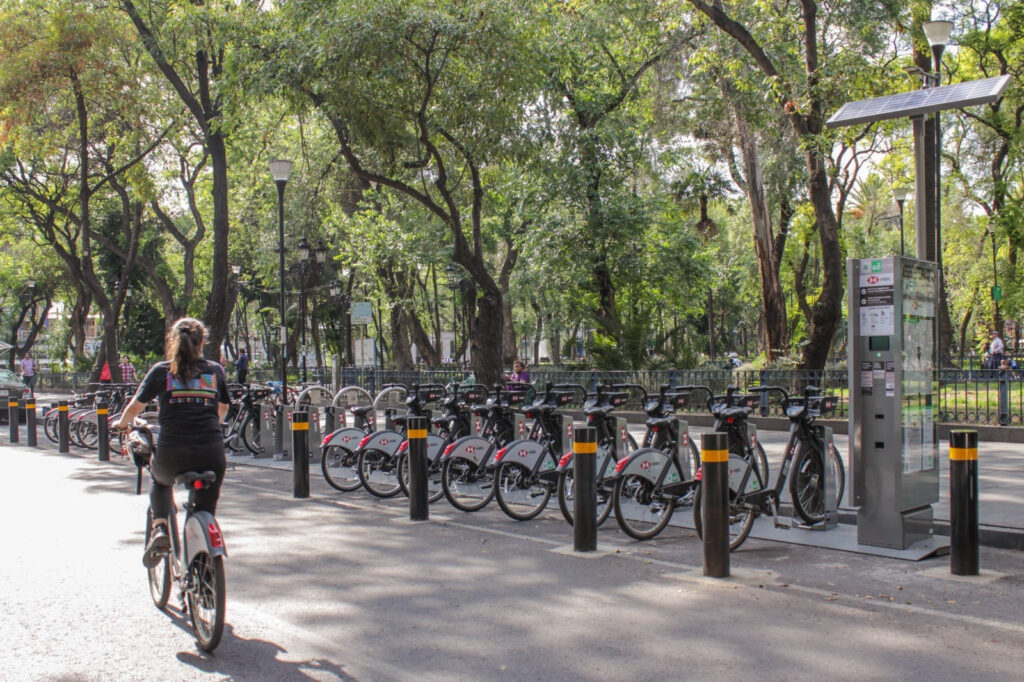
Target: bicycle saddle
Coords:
[(734, 413), (599, 410), (190, 478), (535, 411), (361, 410)]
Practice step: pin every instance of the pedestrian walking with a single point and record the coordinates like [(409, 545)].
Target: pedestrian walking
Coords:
[(242, 367), (127, 370), (995, 350), (28, 371)]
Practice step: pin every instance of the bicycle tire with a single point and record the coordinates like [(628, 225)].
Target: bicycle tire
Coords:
[(520, 495), (605, 489), (377, 473), (88, 434), (340, 467), (73, 435), (50, 427), (434, 490), (252, 439), (640, 511), (741, 521), (467, 487), (205, 599), (804, 488), (159, 575)]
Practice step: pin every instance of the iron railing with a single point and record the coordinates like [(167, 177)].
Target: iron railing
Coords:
[(962, 396)]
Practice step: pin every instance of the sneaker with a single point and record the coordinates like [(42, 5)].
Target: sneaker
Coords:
[(159, 545)]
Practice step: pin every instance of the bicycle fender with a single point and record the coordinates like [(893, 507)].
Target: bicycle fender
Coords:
[(647, 463), (473, 448), (347, 437), (435, 447), (386, 441), (526, 452), (202, 533)]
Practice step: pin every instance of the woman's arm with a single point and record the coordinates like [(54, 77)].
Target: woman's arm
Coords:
[(129, 414)]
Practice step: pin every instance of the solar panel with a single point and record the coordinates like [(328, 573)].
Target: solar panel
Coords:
[(920, 102)]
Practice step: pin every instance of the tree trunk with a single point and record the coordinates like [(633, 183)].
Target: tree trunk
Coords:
[(486, 319), (218, 307), (773, 300)]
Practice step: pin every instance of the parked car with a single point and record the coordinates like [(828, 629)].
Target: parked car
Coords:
[(9, 382)]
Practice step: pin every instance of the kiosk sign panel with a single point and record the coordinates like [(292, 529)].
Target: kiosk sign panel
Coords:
[(893, 458)]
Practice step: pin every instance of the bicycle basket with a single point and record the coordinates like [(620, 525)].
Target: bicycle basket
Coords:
[(747, 400), (516, 397), (140, 447)]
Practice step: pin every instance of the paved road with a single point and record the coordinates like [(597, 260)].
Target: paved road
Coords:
[(342, 587)]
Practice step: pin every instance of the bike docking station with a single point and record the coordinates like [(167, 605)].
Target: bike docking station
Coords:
[(315, 401)]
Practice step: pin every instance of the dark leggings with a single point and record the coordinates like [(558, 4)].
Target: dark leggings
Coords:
[(169, 461)]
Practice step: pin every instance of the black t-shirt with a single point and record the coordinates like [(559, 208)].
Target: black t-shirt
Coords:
[(188, 410)]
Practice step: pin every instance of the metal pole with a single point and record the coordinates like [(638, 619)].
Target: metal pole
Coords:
[(1004, 397), (963, 502), (63, 440), (280, 262), (714, 483), (416, 430), (584, 504), (300, 454), (30, 429), (13, 417), (103, 429)]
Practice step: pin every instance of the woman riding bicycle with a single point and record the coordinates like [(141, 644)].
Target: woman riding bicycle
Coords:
[(193, 400)]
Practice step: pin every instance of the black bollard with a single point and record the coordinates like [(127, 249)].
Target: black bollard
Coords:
[(12, 417), (963, 502), (63, 438), (714, 457), (416, 430), (584, 503), (103, 429), (300, 454), (30, 423)]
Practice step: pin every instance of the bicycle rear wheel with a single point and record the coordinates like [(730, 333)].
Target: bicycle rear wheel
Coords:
[(642, 513), (567, 493), (377, 473), (205, 599), (741, 519), (340, 467), (468, 487), (520, 494), (88, 433), (252, 439), (50, 427), (434, 490)]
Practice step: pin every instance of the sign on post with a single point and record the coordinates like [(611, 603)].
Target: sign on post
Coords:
[(362, 312)]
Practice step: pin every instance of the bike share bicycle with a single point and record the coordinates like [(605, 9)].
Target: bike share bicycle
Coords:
[(749, 496), (466, 479), (195, 561), (652, 482)]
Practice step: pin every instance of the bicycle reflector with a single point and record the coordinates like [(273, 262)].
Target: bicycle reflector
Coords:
[(621, 464), (364, 441), (198, 485), (448, 450), (565, 459), (501, 453), (700, 474), (216, 539), (326, 438), (404, 446)]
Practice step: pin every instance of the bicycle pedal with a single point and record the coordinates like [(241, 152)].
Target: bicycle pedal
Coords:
[(781, 524)]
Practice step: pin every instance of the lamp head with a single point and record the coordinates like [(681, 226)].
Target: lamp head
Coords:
[(938, 32), (320, 251), (303, 248), (900, 194), (280, 169)]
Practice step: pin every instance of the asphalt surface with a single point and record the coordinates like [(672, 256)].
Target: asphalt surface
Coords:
[(342, 586)]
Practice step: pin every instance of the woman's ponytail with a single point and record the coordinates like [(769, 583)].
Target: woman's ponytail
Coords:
[(184, 347)]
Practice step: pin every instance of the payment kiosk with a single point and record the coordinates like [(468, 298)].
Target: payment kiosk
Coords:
[(893, 449)]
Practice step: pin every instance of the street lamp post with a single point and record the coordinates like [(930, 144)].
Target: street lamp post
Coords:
[(900, 195), (938, 34)]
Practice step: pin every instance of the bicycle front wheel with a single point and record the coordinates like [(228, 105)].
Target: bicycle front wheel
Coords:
[(520, 494), (641, 512), (805, 484), (340, 466), (567, 497), (50, 427), (377, 473), (252, 439), (205, 599), (88, 434), (159, 575), (467, 486), (741, 520)]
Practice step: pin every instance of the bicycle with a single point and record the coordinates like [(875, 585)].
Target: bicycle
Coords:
[(611, 447), (466, 480), (195, 562), (652, 482), (242, 429), (804, 456), (340, 457), (526, 471)]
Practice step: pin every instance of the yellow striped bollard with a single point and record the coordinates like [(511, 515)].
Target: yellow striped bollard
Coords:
[(416, 432), (714, 457), (12, 416), (963, 502), (103, 428), (300, 454)]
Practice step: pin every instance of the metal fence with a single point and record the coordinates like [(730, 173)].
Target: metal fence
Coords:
[(962, 396)]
